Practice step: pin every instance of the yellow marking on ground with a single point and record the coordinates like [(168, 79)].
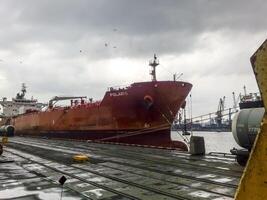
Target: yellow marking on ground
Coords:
[(80, 158)]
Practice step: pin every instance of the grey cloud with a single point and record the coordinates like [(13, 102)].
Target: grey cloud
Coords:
[(151, 25), (47, 36)]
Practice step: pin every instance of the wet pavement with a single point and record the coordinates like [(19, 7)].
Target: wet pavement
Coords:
[(19, 183), (31, 168)]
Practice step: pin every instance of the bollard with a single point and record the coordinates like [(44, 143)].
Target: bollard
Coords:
[(197, 145)]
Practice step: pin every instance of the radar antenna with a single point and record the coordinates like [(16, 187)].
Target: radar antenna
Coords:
[(154, 63), (23, 89), (23, 92)]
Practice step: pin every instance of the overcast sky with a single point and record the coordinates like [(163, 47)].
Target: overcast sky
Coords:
[(81, 47)]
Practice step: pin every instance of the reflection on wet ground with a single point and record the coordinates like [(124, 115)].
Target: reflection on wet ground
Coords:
[(16, 182), (112, 172)]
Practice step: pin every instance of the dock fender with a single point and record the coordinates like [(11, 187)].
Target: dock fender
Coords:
[(149, 101)]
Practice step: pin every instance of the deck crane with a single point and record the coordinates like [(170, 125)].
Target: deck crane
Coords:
[(57, 98)]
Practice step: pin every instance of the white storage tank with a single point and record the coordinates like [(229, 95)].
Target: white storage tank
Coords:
[(245, 126)]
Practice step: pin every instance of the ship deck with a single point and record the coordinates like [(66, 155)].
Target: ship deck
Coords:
[(31, 168)]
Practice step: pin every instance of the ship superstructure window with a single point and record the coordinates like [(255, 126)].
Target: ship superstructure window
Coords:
[(19, 105)]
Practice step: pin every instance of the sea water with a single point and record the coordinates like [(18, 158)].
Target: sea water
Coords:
[(214, 141)]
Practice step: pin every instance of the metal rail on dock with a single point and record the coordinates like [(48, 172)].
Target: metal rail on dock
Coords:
[(163, 174)]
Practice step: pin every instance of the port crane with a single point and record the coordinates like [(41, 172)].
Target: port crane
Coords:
[(210, 121), (216, 120), (219, 112)]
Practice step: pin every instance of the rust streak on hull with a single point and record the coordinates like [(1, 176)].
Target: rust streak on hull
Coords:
[(139, 114)]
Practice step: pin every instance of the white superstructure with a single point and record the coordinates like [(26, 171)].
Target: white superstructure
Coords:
[(19, 105)]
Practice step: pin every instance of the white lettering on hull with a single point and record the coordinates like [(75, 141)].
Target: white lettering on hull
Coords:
[(116, 94)]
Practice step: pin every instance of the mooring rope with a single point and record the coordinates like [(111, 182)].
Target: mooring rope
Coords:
[(185, 139), (137, 132), (148, 130)]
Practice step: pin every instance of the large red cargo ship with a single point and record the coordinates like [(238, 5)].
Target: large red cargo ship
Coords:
[(141, 113)]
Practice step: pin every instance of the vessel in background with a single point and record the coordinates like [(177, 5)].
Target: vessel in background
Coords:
[(19, 104), (140, 114), (251, 100)]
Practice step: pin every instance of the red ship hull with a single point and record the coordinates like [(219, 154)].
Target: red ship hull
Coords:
[(140, 114)]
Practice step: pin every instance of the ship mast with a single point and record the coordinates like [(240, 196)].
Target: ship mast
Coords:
[(23, 89), (23, 92), (154, 63)]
